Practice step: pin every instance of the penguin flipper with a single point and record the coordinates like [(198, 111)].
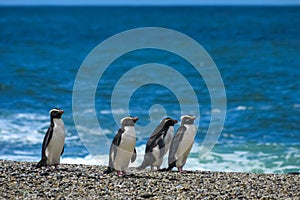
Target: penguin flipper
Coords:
[(158, 131), (174, 146), (113, 148), (46, 141), (133, 157), (161, 146), (112, 155), (63, 150), (154, 139), (117, 139)]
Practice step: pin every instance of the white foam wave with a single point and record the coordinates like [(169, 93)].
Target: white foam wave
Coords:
[(31, 116), (19, 158), (87, 160), (18, 128), (192, 163), (296, 105), (241, 108), (237, 161), (114, 111), (242, 161)]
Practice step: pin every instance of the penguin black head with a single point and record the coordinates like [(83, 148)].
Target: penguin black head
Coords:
[(169, 121), (56, 113), (129, 121), (187, 119)]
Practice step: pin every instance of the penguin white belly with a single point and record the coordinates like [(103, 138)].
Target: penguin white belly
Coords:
[(125, 149), (185, 145), (56, 144)]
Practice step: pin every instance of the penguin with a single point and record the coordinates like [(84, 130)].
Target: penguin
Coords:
[(53, 143), (122, 149), (182, 143), (158, 144)]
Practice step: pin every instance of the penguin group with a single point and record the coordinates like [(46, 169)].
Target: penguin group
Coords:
[(161, 141), (122, 149)]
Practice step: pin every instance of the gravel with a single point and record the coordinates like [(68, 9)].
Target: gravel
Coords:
[(21, 180)]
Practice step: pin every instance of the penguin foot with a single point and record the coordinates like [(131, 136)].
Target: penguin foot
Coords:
[(153, 168), (171, 165), (41, 163), (108, 170), (140, 168), (181, 170), (163, 170), (121, 173)]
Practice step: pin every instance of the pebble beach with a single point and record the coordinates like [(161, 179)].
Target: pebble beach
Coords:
[(21, 180)]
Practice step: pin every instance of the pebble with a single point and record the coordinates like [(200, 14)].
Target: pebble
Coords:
[(21, 180)]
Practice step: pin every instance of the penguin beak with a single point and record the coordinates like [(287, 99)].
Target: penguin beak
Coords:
[(61, 112), (175, 121), (135, 119)]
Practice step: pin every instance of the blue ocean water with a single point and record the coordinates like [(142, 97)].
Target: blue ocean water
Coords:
[(256, 50)]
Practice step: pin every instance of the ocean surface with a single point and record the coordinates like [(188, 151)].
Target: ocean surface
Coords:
[(256, 50)]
